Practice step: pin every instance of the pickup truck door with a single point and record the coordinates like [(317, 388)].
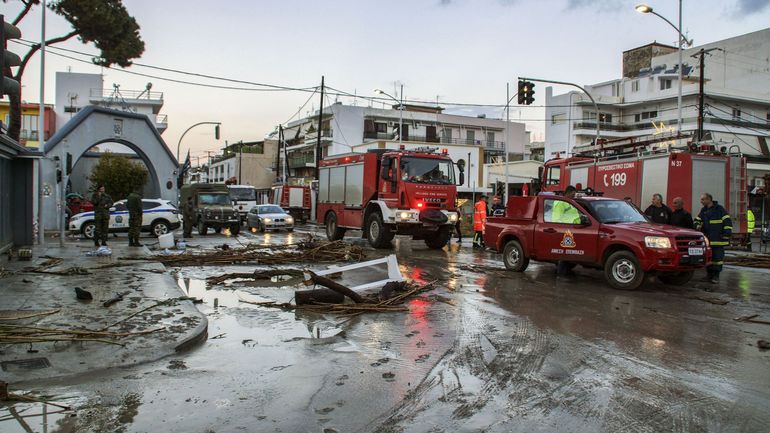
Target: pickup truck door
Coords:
[(564, 238)]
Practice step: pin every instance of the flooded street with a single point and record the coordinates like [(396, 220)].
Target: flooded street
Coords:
[(486, 350)]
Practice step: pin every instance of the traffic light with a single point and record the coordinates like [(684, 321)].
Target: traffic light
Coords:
[(526, 92), (216, 132), (8, 86), (68, 165)]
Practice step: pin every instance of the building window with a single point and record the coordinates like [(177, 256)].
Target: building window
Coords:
[(446, 134), (665, 84), (558, 119), (635, 86), (736, 114), (381, 127), (470, 136), (605, 118), (29, 126), (590, 115), (490, 137), (645, 115)]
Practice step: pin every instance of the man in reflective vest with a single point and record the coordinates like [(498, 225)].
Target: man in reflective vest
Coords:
[(479, 222), (714, 221), (750, 223)]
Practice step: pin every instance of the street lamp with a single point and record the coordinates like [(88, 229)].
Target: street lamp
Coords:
[(646, 9), (400, 110), (216, 134)]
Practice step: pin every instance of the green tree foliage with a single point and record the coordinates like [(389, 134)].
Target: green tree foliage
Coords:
[(106, 23), (119, 175)]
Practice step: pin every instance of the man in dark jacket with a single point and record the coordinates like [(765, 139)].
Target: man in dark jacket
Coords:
[(102, 204), (134, 205), (188, 215), (714, 221), (658, 212), (680, 217)]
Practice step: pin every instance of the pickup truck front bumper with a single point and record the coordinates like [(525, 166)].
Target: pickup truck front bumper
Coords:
[(670, 260)]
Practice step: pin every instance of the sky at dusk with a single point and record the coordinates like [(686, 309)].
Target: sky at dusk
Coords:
[(453, 51)]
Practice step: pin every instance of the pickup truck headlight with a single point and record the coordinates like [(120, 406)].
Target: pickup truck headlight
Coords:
[(657, 242)]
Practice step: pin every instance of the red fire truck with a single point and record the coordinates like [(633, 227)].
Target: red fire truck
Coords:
[(635, 169), (388, 192), (294, 199)]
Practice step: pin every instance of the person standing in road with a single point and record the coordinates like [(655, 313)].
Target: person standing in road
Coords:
[(680, 217), (188, 214), (750, 224), (135, 212), (564, 213), (479, 222), (102, 204), (714, 221), (658, 212)]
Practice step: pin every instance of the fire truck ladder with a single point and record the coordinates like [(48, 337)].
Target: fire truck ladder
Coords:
[(623, 146), (739, 194)]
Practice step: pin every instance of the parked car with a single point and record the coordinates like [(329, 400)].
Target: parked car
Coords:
[(77, 203), (268, 217), (159, 217)]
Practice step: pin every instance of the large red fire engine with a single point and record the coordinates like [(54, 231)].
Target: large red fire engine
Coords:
[(636, 169), (294, 199), (388, 192)]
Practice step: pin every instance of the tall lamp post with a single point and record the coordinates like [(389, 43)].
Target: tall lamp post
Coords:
[(645, 9), (216, 134), (400, 110)]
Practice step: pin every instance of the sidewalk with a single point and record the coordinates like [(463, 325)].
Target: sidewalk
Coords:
[(143, 285)]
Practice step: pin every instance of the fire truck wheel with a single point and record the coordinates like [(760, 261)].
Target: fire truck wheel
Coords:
[(676, 278), (439, 240), (333, 231), (514, 257), (378, 235), (622, 271), (202, 229)]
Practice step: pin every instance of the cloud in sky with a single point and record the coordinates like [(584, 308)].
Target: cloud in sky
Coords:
[(597, 5), (744, 8)]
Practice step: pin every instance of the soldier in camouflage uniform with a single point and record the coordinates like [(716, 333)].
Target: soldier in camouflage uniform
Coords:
[(134, 205), (102, 204), (188, 215)]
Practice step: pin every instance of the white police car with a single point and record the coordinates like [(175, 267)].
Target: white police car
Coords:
[(159, 217)]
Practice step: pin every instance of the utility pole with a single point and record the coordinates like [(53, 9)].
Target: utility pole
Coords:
[(278, 152), (701, 92), (240, 162), (507, 136), (320, 128), (208, 169)]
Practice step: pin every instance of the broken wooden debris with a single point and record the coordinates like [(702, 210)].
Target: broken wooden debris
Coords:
[(751, 261), (310, 250), (256, 275), (752, 319), (318, 296), (337, 287)]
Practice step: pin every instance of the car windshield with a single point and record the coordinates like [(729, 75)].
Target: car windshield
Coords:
[(214, 198), (614, 211), (270, 209), (427, 170), (243, 194)]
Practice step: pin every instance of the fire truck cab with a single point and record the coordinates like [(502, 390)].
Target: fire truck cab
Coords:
[(388, 192)]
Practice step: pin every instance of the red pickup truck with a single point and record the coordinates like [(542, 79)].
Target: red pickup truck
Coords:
[(596, 232)]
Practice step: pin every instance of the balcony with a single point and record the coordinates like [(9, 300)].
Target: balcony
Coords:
[(122, 99), (371, 135), (300, 161), (313, 136), (161, 122)]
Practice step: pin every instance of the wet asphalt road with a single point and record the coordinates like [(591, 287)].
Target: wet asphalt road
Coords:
[(490, 351)]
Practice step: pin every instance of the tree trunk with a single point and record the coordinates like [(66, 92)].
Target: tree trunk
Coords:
[(315, 296), (337, 287)]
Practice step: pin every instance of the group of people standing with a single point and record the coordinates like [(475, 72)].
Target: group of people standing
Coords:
[(713, 220), (102, 203)]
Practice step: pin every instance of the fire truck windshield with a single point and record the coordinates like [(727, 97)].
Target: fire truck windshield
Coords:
[(614, 211), (427, 170)]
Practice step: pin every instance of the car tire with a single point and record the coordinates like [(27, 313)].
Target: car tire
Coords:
[(439, 240), (514, 257), (217, 230), (676, 278), (202, 229), (377, 234), (88, 229), (261, 227), (289, 230), (235, 229), (623, 271), (333, 231), (160, 227)]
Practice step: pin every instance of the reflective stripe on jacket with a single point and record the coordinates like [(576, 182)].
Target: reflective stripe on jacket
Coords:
[(480, 216), (716, 224)]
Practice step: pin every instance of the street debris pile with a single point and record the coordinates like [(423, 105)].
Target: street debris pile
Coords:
[(750, 261), (391, 297), (310, 250)]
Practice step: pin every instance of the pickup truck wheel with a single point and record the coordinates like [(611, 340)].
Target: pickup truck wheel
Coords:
[(676, 278), (439, 240), (514, 257), (333, 231), (623, 271), (202, 229), (378, 235), (217, 229)]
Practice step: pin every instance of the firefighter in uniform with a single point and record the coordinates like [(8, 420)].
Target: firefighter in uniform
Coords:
[(188, 214), (134, 205), (102, 204), (479, 222), (714, 221), (564, 213)]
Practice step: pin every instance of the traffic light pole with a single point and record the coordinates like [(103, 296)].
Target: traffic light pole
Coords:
[(596, 107)]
